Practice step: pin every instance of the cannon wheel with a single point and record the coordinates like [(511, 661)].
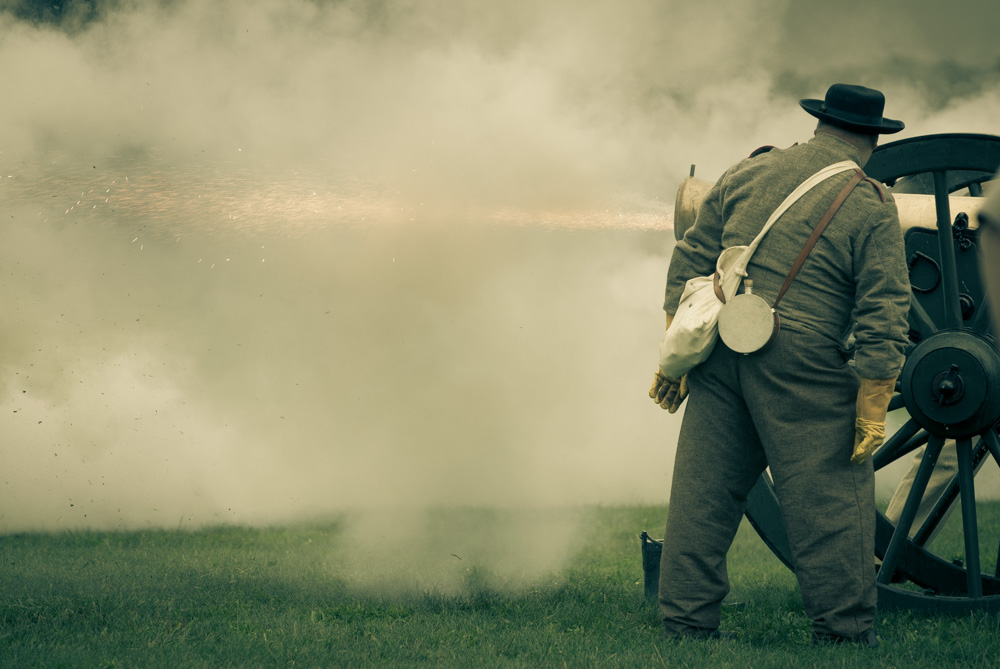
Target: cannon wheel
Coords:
[(949, 387)]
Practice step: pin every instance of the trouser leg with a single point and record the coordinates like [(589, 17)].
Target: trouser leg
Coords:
[(718, 461), (802, 397), (830, 521)]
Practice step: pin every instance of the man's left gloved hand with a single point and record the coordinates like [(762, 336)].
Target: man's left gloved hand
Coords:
[(667, 392), (868, 435), (869, 427)]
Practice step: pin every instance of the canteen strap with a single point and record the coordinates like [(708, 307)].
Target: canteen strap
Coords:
[(811, 242)]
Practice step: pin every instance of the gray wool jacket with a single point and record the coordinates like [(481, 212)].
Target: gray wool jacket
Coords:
[(856, 276)]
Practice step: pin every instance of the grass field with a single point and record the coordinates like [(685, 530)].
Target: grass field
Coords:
[(305, 595)]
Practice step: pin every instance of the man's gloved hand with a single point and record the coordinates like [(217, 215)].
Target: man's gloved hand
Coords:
[(667, 392), (868, 435), (869, 428)]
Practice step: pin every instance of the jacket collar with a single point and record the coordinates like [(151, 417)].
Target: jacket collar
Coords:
[(839, 148)]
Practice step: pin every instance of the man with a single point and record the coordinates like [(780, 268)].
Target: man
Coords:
[(796, 406)]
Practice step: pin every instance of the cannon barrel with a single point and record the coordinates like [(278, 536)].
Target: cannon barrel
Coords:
[(916, 210)]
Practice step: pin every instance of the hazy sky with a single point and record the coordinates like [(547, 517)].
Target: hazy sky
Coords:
[(271, 258), (455, 99)]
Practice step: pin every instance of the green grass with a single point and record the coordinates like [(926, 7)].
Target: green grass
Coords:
[(451, 592)]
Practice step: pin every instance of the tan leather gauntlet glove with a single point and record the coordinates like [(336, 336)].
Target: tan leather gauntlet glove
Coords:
[(872, 405), (668, 392)]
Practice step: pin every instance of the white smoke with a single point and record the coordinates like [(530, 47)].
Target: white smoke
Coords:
[(268, 259)]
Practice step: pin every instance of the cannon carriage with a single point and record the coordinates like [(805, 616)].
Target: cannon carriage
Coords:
[(948, 394)]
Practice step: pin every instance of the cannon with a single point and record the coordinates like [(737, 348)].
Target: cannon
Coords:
[(949, 388)]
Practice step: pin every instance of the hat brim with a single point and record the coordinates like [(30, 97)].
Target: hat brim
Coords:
[(886, 127)]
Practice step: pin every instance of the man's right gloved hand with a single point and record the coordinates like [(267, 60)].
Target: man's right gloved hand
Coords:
[(869, 427), (667, 392)]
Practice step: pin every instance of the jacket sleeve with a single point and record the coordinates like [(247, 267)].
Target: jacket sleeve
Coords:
[(882, 296), (697, 253)]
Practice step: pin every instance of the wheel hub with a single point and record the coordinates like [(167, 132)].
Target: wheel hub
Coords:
[(951, 384)]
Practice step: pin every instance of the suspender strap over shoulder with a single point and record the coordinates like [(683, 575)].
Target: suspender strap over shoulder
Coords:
[(811, 242)]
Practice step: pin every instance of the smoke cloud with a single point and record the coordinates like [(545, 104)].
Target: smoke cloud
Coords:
[(267, 260)]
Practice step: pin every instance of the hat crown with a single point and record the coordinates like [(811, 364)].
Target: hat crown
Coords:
[(854, 100)]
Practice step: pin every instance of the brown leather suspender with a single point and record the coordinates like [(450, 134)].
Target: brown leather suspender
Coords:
[(811, 242)]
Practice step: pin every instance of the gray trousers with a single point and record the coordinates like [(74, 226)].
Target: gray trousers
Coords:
[(790, 408)]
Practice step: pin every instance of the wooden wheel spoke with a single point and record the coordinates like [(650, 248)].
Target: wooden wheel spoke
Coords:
[(906, 439), (945, 500), (925, 324), (992, 442), (893, 553), (970, 528)]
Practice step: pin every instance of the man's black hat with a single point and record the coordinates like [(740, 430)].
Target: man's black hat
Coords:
[(853, 108)]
